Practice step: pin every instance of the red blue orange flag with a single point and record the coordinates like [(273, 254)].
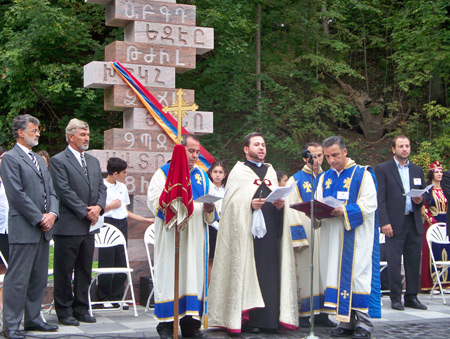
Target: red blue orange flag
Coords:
[(164, 120)]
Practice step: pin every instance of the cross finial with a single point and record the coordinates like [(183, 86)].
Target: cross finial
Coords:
[(179, 110)]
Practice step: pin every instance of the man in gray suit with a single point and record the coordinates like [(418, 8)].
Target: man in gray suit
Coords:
[(33, 210), (82, 194)]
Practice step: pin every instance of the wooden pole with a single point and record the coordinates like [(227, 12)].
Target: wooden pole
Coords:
[(176, 283)]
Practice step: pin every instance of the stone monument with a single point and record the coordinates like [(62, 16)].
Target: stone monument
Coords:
[(160, 40)]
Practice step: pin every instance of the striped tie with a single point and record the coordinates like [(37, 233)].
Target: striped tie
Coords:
[(35, 162), (83, 164)]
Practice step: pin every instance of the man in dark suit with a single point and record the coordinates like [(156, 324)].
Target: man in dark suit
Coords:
[(401, 221), (33, 210), (82, 194)]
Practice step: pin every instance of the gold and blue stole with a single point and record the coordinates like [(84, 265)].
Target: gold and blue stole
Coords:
[(199, 184), (304, 190), (350, 181)]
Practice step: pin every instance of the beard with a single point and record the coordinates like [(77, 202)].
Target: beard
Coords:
[(256, 156), (84, 147), (31, 141)]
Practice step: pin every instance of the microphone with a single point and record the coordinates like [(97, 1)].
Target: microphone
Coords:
[(307, 154)]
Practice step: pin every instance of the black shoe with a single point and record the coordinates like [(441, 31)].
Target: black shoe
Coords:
[(86, 318), (322, 320), (397, 305), (125, 306), (413, 302), (361, 333), (13, 334), (69, 321), (341, 332), (303, 322), (197, 334), (166, 333), (44, 327), (325, 323), (250, 329)]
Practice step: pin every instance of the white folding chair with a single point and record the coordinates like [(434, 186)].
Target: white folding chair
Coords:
[(437, 233), (110, 236), (149, 240)]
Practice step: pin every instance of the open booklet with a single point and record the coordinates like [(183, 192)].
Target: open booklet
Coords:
[(322, 209), (417, 193), (280, 193)]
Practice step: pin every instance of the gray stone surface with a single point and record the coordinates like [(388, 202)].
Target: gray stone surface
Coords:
[(433, 323)]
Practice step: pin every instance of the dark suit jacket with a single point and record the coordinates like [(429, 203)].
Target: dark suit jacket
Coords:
[(445, 184), (76, 192), (391, 201), (26, 189)]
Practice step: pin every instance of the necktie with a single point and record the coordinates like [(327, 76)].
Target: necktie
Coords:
[(83, 164), (35, 162)]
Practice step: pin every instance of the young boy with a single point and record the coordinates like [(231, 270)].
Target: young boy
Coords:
[(112, 287)]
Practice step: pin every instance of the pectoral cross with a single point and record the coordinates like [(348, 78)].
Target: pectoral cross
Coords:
[(347, 182), (179, 110)]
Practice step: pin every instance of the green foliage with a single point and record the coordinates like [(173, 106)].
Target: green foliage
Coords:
[(426, 155), (315, 55)]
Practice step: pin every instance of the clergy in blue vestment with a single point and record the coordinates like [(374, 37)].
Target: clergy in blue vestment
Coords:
[(349, 249), (300, 225)]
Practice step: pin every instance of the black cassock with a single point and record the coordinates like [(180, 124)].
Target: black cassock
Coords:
[(267, 257)]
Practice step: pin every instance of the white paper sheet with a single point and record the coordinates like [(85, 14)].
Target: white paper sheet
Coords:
[(280, 193), (208, 199), (98, 224), (417, 193)]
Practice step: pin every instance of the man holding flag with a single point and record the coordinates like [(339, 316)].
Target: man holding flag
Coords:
[(166, 197)]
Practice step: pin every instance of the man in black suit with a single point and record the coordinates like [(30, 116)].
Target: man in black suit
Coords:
[(33, 210), (401, 221), (79, 185)]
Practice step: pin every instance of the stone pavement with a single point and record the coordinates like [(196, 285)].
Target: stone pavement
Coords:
[(433, 323)]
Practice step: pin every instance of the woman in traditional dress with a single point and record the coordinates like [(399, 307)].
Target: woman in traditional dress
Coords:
[(434, 210)]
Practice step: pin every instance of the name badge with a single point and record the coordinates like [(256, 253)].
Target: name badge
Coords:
[(341, 195), (417, 181)]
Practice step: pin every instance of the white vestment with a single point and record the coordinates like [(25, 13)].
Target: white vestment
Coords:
[(234, 286), (346, 242), (300, 225), (192, 254)]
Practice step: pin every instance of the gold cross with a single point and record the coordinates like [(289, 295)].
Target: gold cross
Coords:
[(345, 294), (198, 177), (347, 182), (307, 186), (179, 111), (328, 183)]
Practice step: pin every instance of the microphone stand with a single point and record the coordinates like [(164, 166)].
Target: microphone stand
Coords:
[(313, 230)]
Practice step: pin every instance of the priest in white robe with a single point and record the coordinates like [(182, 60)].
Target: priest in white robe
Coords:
[(300, 225), (193, 251), (349, 248), (253, 286)]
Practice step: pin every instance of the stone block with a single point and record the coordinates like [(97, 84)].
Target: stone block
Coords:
[(100, 74), (182, 58), (138, 162), (118, 98), (106, 2), (140, 205), (202, 38), (121, 12), (137, 140)]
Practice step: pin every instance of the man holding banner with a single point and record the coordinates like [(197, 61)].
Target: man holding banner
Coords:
[(193, 252)]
